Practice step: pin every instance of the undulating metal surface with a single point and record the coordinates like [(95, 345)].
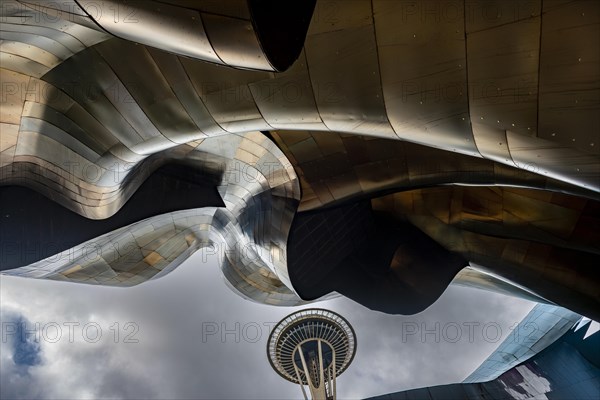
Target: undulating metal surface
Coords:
[(237, 33), (335, 168), (477, 277), (544, 241), (550, 355), (539, 329), (365, 256), (260, 192), (34, 227), (98, 95)]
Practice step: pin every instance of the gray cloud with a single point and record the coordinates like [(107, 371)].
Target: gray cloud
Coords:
[(197, 339)]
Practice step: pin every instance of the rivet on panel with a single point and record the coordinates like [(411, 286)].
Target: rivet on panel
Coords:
[(572, 140), (553, 133), (577, 169), (579, 59), (498, 121), (481, 117), (513, 124), (592, 144)]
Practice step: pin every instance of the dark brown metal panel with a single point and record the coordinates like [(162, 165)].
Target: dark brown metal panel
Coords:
[(487, 14), (569, 98), (232, 8)]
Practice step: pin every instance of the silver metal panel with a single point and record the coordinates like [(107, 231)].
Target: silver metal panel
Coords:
[(22, 65), (288, 100), (66, 40), (365, 63), (167, 27), (33, 53), (543, 325), (170, 66), (162, 242), (150, 91), (235, 42), (49, 45), (226, 94)]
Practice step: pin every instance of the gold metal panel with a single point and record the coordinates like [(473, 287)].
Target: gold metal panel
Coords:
[(346, 83), (423, 73), (551, 159), (503, 76), (287, 100), (491, 142)]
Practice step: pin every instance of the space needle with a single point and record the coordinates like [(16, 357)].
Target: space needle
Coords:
[(312, 347)]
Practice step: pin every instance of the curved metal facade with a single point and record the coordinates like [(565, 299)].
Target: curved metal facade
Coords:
[(407, 97)]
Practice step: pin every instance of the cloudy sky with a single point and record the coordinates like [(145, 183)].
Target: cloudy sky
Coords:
[(187, 335)]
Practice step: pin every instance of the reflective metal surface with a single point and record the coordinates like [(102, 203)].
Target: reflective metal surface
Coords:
[(540, 240), (407, 96), (249, 235), (549, 355)]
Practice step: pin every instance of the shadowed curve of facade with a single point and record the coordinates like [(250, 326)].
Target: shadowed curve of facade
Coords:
[(376, 122)]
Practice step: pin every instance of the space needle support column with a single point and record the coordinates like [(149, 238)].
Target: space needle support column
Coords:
[(317, 393)]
